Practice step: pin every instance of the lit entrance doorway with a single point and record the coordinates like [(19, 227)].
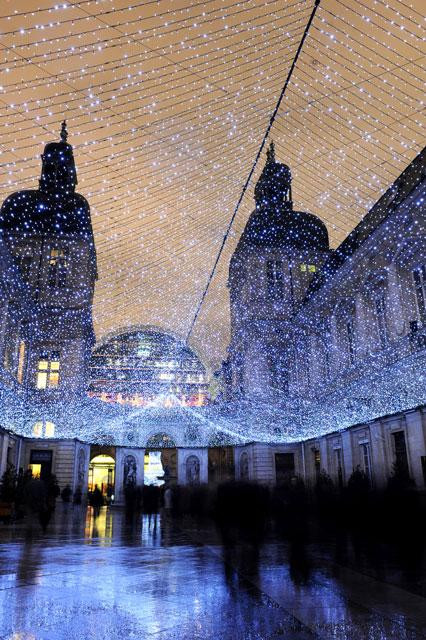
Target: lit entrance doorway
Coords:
[(40, 463), (102, 474), (160, 464)]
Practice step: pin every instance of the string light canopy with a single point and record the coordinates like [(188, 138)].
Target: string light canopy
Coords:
[(167, 103)]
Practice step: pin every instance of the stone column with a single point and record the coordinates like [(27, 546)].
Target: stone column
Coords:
[(3, 453), (348, 463), (416, 445)]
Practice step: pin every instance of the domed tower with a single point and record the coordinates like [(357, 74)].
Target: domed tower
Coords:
[(49, 232), (278, 253)]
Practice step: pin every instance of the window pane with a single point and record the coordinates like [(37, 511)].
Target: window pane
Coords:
[(49, 431), (37, 429), (41, 380), (53, 379), (54, 365), (43, 365)]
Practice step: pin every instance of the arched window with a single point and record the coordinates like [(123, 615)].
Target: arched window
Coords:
[(160, 440)]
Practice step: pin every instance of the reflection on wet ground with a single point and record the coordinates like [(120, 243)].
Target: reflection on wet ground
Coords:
[(102, 578)]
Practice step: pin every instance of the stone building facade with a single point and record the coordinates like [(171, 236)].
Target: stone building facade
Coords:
[(343, 330), (350, 335)]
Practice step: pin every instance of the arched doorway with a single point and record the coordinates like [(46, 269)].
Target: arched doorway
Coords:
[(160, 464), (102, 474)]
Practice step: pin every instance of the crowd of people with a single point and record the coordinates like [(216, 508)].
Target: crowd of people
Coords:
[(23, 495)]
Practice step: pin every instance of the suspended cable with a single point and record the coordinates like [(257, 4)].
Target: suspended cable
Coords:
[(252, 170)]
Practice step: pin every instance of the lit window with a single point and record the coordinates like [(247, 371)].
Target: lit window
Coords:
[(311, 268), (48, 370), (38, 429), (57, 274), (49, 430), (419, 277), (44, 428), (274, 278)]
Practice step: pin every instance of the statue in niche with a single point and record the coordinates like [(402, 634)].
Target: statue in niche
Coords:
[(244, 466), (192, 470), (129, 475), (81, 469)]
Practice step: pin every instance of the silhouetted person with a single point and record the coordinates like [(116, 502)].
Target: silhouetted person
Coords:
[(97, 500), (53, 491), (77, 496), (150, 503), (109, 493), (66, 493), (36, 497)]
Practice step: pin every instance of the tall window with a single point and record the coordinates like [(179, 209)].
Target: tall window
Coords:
[(57, 274), (275, 279), (317, 462), (25, 262), (350, 334), (400, 448), (339, 466), (48, 370), (380, 305), (366, 458), (419, 277)]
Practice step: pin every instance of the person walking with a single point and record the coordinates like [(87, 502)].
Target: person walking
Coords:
[(97, 500), (66, 494)]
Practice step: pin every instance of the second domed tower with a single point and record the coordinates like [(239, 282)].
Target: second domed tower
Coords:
[(278, 254)]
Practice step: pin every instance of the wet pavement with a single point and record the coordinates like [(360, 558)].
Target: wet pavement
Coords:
[(102, 579)]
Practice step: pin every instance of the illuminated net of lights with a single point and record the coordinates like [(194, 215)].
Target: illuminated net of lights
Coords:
[(166, 107)]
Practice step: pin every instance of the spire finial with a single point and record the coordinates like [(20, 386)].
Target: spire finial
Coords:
[(270, 154), (64, 132)]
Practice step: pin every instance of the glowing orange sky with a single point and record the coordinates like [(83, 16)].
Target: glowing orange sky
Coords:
[(167, 103)]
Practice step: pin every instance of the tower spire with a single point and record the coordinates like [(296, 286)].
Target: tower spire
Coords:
[(270, 154), (64, 132)]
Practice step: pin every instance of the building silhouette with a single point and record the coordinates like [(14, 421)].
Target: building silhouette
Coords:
[(48, 231)]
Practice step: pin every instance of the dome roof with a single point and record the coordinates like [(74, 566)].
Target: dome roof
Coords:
[(274, 223), (282, 226), (54, 208), (35, 212)]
